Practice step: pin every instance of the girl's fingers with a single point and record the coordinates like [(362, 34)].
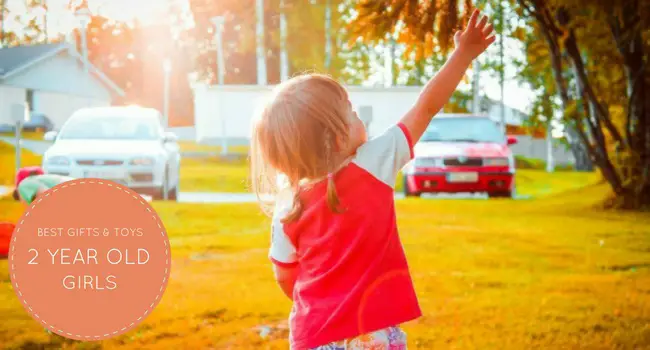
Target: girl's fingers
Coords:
[(488, 30), (482, 23), (491, 39), (473, 19)]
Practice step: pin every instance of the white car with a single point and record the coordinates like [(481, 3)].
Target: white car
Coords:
[(127, 145)]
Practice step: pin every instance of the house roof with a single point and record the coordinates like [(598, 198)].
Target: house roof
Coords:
[(19, 58), (14, 57)]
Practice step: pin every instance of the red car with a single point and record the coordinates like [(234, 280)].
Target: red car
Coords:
[(460, 154)]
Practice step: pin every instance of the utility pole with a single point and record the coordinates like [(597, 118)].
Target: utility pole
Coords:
[(503, 68), (476, 103), (550, 165), (261, 54), (84, 16), (284, 57), (221, 72), (2, 23), (328, 33), (45, 9)]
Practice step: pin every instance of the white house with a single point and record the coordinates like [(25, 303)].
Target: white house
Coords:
[(227, 112), (52, 80)]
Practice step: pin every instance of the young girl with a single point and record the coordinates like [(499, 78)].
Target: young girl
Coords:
[(335, 246)]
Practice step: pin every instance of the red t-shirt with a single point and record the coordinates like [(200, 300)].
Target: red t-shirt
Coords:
[(353, 277)]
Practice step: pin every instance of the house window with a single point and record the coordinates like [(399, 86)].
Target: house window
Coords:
[(29, 99)]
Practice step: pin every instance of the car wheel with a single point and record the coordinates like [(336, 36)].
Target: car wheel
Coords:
[(172, 195), (406, 189), (504, 194)]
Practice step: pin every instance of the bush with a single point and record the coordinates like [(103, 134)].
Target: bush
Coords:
[(522, 162)]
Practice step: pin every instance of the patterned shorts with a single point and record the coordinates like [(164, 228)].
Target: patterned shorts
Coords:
[(391, 338)]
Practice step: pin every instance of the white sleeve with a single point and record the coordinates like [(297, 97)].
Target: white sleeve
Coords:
[(282, 251), (385, 155)]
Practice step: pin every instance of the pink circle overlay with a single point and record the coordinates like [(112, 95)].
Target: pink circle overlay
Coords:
[(89, 259)]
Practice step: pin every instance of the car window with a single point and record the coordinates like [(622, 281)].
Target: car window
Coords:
[(463, 130), (111, 128)]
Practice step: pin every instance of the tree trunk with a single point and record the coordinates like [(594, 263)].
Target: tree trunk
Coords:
[(577, 146), (630, 45)]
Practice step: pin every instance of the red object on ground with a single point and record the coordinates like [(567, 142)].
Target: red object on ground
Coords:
[(25, 172), (6, 230)]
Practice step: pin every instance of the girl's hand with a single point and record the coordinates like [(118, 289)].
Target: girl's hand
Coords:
[(476, 38)]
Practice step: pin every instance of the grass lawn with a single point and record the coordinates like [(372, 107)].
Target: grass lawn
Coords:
[(215, 175), (27, 135), (552, 273), (190, 146), (8, 161)]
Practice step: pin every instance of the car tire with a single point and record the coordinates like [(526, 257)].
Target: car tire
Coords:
[(405, 187), (504, 194), (172, 195)]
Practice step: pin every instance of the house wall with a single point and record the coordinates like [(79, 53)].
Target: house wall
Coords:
[(536, 148), (60, 74), (59, 107), (380, 107), (237, 104), (9, 96), (60, 87)]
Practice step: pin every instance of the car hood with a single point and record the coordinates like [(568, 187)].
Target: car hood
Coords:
[(76, 148), (461, 149)]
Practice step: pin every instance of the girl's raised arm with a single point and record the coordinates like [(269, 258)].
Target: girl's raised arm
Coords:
[(470, 43)]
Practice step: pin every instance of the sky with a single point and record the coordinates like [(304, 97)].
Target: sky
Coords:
[(60, 20)]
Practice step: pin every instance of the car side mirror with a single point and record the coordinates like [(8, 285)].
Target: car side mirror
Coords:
[(170, 137), (50, 136), (512, 140)]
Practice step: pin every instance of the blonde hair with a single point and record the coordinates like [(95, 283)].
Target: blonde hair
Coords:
[(295, 138)]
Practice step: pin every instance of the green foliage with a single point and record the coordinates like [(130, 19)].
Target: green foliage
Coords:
[(522, 162), (601, 84), (424, 26)]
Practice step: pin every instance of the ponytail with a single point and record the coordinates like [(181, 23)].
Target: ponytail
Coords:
[(333, 201)]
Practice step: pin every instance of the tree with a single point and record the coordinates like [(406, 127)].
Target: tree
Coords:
[(306, 24), (425, 27), (535, 70), (609, 107)]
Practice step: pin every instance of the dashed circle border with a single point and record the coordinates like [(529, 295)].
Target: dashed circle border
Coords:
[(153, 304)]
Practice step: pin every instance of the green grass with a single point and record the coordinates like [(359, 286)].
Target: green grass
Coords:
[(190, 146), (8, 162), (551, 273), (214, 175), (27, 135)]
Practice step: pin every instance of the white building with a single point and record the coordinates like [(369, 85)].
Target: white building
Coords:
[(52, 80), (227, 111), (234, 106)]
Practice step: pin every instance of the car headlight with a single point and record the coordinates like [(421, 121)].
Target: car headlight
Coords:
[(428, 162), (496, 162), (58, 160), (142, 161)]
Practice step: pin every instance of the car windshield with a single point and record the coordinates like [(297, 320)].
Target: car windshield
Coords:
[(111, 128), (460, 129)]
